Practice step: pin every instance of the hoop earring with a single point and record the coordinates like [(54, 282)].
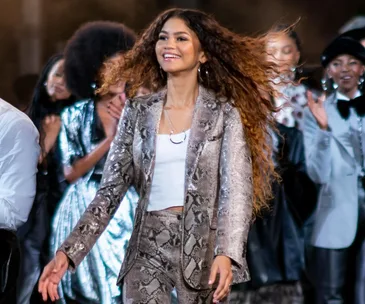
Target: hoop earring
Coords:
[(200, 74)]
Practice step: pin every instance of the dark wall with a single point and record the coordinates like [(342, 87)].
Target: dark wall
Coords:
[(320, 21)]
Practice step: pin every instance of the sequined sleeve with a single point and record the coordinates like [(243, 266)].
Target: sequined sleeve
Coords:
[(70, 146), (117, 176), (236, 190)]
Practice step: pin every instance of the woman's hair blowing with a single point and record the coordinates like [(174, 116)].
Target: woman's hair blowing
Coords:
[(236, 68)]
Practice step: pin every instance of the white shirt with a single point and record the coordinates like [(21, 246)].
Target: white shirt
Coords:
[(168, 183), (339, 95), (19, 152), (353, 124)]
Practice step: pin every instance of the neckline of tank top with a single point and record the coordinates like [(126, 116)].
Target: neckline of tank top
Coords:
[(164, 134)]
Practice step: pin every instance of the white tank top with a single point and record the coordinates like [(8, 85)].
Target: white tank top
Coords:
[(168, 181)]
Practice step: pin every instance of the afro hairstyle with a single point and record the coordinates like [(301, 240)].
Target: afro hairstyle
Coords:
[(87, 50)]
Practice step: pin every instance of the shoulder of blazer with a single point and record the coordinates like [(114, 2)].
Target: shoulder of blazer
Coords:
[(142, 103)]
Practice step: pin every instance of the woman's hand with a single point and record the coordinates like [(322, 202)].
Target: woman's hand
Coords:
[(116, 106), (52, 275), (318, 110), (222, 265)]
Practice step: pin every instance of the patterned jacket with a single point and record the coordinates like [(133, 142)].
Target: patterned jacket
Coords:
[(218, 186)]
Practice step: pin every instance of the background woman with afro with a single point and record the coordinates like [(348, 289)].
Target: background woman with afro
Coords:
[(87, 130)]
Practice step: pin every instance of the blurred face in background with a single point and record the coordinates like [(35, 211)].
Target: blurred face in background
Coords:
[(56, 85), (116, 93), (345, 70), (283, 52)]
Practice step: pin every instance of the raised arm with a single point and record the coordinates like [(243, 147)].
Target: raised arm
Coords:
[(317, 141)]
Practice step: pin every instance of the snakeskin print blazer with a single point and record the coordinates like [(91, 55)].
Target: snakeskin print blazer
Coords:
[(218, 187)]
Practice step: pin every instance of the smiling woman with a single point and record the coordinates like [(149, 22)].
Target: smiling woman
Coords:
[(196, 150), (334, 139)]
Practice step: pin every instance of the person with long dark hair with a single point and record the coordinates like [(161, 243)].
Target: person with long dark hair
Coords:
[(50, 97), (196, 151)]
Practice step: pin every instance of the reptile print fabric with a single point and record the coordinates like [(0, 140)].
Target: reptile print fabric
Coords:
[(157, 269), (218, 186)]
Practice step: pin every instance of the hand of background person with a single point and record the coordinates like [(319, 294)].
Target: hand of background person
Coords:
[(116, 105), (318, 110)]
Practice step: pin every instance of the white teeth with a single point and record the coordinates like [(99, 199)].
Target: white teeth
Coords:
[(170, 56)]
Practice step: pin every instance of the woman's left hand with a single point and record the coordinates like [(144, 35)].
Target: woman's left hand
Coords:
[(222, 265)]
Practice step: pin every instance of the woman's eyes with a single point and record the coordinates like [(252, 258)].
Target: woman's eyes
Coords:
[(179, 38), (287, 50), (337, 64)]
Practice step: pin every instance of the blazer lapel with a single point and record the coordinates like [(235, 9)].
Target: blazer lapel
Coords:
[(150, 121), (204, 120), (340, 127)]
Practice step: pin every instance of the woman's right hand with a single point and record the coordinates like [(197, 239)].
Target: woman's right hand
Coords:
[(318, 110), (52, 275)]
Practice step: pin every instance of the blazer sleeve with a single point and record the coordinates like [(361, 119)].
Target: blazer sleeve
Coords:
[(117, 177), (317, 144), (236, 190)]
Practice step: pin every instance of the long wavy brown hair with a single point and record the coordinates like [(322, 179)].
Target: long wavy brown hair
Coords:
[(236, 68)]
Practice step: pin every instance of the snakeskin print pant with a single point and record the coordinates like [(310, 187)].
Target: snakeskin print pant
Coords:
[(157, 269)]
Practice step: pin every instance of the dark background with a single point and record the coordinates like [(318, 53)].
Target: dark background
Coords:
[(32, 30)]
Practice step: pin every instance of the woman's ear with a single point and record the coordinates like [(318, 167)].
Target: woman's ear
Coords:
[(202, 58)]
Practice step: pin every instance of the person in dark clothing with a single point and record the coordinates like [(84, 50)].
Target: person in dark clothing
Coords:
[(50, 97)]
